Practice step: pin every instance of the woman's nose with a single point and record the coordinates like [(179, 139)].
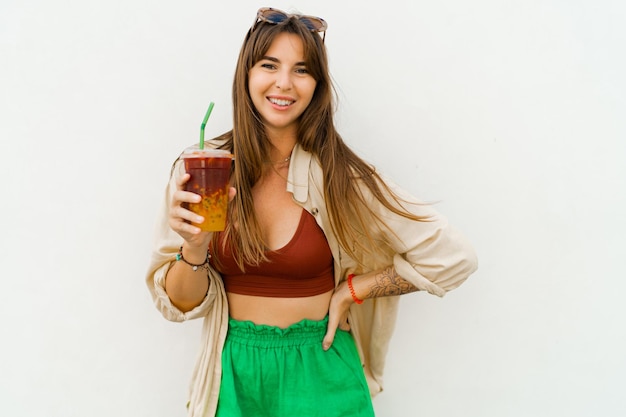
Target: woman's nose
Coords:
[(283, 80)]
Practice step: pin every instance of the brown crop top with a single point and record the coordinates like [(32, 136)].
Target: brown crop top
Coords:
[(301, 268)]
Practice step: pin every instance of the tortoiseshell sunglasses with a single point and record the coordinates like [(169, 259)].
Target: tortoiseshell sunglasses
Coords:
[(275, 16)]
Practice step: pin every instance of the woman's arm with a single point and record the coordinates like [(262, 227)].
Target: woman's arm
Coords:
[(186, 286), (381, 283), (179, 292)]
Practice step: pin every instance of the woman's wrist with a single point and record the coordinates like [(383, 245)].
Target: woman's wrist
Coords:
[(195, 255), (355, 298)]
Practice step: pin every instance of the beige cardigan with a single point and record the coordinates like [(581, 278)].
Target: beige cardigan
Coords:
[(430, 254)]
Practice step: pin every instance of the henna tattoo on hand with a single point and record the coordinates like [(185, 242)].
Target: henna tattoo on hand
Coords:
[(388, 282)]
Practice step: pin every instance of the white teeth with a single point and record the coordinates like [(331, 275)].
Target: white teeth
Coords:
[(281, 102)]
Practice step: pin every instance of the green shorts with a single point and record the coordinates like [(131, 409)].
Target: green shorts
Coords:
[(274, 372)]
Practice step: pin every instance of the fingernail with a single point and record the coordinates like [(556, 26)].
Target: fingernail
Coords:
[(325, 346)]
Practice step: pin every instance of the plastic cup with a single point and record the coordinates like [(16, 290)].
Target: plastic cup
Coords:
[(210, 174)]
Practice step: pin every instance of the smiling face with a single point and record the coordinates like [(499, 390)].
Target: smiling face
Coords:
[(281, 86)]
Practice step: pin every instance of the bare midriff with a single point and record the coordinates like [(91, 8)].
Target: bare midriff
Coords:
[(274, 311)]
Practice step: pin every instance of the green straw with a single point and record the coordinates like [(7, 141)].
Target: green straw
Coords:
[(206, 118)]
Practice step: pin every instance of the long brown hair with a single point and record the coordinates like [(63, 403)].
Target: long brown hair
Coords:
[(317, 135)]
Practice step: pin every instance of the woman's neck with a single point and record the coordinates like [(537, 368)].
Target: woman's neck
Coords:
[(282, 145)]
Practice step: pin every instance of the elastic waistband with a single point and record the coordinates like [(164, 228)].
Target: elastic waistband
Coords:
[(302, 333)]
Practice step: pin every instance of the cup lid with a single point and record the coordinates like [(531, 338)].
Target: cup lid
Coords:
[(195, 151)]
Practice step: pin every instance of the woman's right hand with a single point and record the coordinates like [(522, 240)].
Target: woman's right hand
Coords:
[(180, 218)]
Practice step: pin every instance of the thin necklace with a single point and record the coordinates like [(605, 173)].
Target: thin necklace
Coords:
[(282, 161)]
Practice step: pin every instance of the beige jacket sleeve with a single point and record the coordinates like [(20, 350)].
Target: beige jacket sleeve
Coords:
[(165, 247), (431, 254)]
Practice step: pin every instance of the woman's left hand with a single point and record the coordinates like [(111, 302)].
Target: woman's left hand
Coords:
[(340, 303)]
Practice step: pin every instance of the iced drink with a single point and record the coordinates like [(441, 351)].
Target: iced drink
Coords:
[(210, 173)]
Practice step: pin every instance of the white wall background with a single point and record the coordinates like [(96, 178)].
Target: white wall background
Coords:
[(511, 113)]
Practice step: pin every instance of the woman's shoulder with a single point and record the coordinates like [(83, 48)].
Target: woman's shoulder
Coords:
[(223, 141)]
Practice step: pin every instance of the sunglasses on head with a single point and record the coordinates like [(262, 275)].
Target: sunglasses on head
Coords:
[(275, 17)]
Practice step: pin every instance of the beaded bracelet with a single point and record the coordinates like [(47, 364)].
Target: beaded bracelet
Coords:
[(352, 292), (205, 265)]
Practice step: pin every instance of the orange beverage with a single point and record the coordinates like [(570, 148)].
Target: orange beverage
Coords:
[(210, 173)]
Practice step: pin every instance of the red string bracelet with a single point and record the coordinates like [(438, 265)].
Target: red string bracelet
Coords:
[(354, 297)]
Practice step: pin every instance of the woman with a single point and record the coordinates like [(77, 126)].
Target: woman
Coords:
[(298, 293)]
